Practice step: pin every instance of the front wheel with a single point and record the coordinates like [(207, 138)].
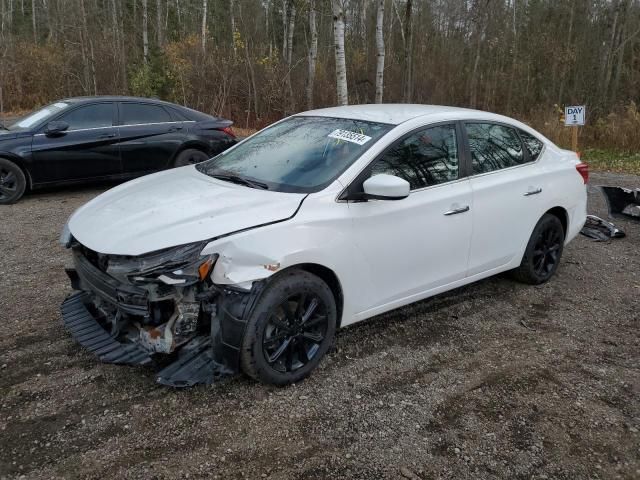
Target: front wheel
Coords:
[(290, 329), (542, 256), (12, 182)]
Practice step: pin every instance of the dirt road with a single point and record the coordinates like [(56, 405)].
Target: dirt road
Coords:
[(494, 380)]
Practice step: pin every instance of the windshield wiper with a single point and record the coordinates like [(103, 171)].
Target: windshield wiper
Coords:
[(232, 177)]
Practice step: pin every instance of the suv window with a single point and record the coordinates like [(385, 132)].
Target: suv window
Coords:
[(139, 113), (532, 144), (427, 157), (90, 116), (493, 147)]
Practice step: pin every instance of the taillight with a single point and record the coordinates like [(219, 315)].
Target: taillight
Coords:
[(583, 170), (228, 131)]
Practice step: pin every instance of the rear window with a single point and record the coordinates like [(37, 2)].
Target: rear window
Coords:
[(138, 113), (532, 144)]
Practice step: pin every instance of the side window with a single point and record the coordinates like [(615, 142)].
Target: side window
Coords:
[(425, 158), (532, 144), (493, 147), (90, 116), (138, 113)]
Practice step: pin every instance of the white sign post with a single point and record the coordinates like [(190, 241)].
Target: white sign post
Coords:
[(574, 117)]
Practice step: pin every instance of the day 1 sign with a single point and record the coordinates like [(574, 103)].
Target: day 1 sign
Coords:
[(574, 115)]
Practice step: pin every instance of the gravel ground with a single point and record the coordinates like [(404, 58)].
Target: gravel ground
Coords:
[(494, 380)]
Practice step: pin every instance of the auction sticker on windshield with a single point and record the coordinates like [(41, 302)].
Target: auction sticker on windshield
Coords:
[(348, 136)]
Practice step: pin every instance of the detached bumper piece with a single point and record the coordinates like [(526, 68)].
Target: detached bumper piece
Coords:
[(623, 202), (88, 333), (195, 364)]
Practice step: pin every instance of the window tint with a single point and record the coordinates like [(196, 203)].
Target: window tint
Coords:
[(178, 115), (493, 147), (90, 116), (136, 113), (427, 157), (532, 144)]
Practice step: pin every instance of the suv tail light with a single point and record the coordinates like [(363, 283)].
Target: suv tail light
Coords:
[(228, 131), (583, 170)]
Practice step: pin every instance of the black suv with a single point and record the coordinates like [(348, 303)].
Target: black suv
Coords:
[(104, 138)]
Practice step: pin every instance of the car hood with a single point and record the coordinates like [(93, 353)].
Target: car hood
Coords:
[(172, 208)]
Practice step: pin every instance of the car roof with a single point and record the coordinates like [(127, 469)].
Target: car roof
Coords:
[(122, 98), (395, 113)]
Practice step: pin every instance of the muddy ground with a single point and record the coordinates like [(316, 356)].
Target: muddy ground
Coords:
[(494, 380)]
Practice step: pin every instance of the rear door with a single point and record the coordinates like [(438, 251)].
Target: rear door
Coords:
[(508, 189), (87, 149), (150, 137)]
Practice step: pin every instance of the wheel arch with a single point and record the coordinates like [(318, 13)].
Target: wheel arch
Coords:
[(561, 214), (329, 277)]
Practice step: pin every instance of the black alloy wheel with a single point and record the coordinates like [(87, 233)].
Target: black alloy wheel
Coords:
[(12, 182), (542, 255), (547, 249), (290, 328), (294, 332), (190, 156)]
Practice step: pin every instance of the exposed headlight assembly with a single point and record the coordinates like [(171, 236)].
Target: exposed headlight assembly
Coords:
[(180, 266)]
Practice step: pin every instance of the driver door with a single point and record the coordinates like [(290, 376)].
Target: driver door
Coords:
[(421, 242), (89, 148)]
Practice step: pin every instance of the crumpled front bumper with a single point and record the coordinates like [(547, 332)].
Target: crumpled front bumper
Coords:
[(194, 363)]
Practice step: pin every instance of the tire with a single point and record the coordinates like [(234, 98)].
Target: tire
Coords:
[(543, 252), (190, 156), (276, 343), (12, 182)]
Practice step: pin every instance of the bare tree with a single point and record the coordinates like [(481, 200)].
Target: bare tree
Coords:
[(145, 31), (380, 51), (338, 39), (233, 27), (33, 20), (313, 53), (203, 32), (159, 28), (408, 53)]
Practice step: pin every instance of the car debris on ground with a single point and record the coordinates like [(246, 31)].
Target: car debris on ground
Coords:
[(600, 230), (622, 202)]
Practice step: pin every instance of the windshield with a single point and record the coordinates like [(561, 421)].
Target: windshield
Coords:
[(301, 154), (36, 117)]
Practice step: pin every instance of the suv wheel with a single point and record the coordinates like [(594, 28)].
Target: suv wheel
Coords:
[(290, 329), (12, 182)]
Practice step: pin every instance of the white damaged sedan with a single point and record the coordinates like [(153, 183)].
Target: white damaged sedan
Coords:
[(251, 260)]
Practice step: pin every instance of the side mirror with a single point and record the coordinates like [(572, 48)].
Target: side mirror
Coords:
[(55, 128), (386, 187)]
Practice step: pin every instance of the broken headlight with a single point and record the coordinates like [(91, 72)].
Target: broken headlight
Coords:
[(179, 266)]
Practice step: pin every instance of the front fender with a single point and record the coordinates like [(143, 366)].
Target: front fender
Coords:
[(257, 254)]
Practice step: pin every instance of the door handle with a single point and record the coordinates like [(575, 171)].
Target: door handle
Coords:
[(455, 211), (175, 129), (533, 192), (106, 135)]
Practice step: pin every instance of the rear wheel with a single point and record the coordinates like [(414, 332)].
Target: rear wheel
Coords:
[(542, 256), (190, 156), (290, 329), (12, 182)]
